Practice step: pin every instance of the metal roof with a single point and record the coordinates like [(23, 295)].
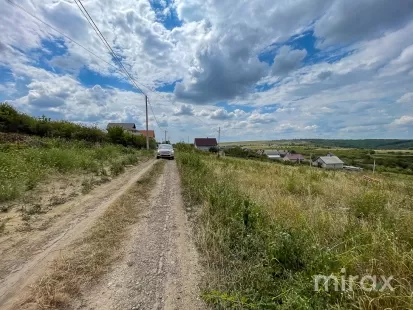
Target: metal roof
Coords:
[(205, 142), (294, 156), (331, 160), (275, 152)]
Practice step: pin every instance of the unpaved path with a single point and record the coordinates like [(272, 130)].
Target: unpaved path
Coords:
[(159, 269), (22, 264)]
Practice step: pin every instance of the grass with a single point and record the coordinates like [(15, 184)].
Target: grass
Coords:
[(86, 260), (266, 230), (387, 160), (24, 164)]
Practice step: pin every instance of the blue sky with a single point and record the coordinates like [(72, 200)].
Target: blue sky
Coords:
[(302, 69)]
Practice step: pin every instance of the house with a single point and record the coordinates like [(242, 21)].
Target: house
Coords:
[(205, 144), (272, 154), (275, 154), (329, 162), (129, 127), (297, 158), (151, 133)]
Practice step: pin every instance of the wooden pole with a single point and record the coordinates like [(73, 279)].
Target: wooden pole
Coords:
[(147, 123)]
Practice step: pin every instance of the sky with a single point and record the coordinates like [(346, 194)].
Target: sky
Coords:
[(261, 69)]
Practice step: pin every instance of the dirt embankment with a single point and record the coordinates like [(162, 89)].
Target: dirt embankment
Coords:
[(24, 260)]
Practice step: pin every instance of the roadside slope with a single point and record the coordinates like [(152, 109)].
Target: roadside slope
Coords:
[(22, 264)]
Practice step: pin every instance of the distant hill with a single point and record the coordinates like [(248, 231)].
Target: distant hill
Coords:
[(385, 144)]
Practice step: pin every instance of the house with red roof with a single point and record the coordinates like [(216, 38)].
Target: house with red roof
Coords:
[(295, 158), (151, 133)]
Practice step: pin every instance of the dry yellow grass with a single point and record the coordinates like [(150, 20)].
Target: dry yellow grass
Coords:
[(268, 229)]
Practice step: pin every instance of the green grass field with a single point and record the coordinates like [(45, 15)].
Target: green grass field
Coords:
[(387, 160), (266, 230), (25, 161)]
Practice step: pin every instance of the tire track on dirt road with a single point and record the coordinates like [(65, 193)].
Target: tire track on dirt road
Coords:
[(41, 248), (159, 269)]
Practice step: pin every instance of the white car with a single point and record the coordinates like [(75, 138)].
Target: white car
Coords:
[(165, 151)]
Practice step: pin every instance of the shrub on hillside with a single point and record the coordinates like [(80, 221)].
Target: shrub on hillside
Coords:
[(244, 153), (119, 136), (13, 121)]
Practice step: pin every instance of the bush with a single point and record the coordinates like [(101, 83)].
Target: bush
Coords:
[(369, 204), (13, 121), (117, 168), (119, 136)]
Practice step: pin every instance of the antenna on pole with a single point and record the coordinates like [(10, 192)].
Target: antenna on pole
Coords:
[(147, 129)]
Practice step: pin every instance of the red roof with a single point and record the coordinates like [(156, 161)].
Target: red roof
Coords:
[(205, 142), (150, 132), (295, 156)]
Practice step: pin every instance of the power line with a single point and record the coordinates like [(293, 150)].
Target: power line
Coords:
[(70, 39), (122, 70), (111, 51), (61, 33), (105, 42), (150, 105)]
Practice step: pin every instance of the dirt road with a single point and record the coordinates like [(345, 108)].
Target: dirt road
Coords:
[(160, 268)]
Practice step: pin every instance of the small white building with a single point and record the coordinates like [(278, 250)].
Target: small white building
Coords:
[(272, 154), (329, 162)]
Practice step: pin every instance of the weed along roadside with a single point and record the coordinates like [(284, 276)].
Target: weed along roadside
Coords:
[(269, 233), (81, 264)]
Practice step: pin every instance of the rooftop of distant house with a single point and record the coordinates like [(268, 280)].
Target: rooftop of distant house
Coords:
[(125, 126), (205, 142), (294, 156)]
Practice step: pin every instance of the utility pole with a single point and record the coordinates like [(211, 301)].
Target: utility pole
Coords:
[(147, 129), (219, 138), (188, 139), (165, 136), (374, 166)]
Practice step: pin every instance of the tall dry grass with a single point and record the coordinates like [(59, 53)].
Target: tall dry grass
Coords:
[(266, 230)]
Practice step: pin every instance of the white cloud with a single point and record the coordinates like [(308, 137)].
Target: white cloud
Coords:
[(405, 120), (184, 109), (222, 114), (215, 55), (258, 118), (406, 98), (287, 60), (348, 21)]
